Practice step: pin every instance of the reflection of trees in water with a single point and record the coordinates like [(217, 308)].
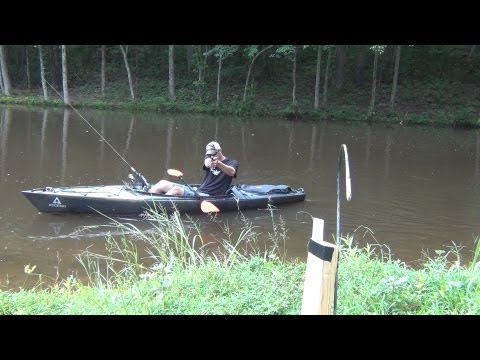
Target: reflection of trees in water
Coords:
[(43, 137), (316, 144), (291, 139), (129, 136), (66, 120), (168, 149), (477, 162), (5, 129), (244, 144), (313, 141), (368, 143), (388, 145), (321, 142), (477, 153), (102, 143), (2, 141), (196, 148), (28, 133)]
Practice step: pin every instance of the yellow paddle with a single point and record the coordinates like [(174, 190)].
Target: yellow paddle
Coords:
[(208, 207)]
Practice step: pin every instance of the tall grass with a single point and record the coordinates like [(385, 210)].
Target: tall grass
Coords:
[(372, 282), (171, 243)]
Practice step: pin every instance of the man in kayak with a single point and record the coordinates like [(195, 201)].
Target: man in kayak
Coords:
[(219, 172)]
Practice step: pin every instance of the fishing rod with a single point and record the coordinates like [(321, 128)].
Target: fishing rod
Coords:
[(142, 178)]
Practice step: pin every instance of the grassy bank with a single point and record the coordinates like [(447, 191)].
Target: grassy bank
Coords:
[(181, 274), (438, 103)]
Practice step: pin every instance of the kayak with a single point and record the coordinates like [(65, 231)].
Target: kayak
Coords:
[(126, 199)]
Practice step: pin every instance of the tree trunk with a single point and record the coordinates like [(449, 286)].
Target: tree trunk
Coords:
[(218, 79), (325, 83), (103, 70), (204, 60), (200, 63), (294, 79), (66, 97), (250, 70), (340, 66), (125, 60), (5, 76), (317, 77), (28, 68), (380, 69), (189, 59), (42, 73), (374, 84), (1, 82), (171, 72), (205, 57), (136, 70), (252, 76), (395, 77), (57, 66), (470, 54), (360, 64)]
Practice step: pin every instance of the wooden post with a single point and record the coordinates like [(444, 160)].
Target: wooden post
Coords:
[(318, 290)]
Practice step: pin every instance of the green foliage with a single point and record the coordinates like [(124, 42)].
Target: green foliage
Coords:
[(465, 117), (199, 92), (284, 51), (238, 106), (251, 51), (378, 48), (223, 51), (339, 113)]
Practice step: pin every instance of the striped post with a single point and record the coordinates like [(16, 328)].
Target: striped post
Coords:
[(318, 290)]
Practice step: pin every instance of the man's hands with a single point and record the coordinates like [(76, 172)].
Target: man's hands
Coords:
[(214, 163), (211, 162)]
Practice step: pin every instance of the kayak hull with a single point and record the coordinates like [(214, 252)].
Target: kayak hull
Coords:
[(122, 199)]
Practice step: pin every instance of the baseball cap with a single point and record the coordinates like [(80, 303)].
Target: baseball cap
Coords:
[(212, 148)]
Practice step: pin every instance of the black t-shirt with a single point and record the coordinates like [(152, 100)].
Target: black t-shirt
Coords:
[(216, 182)]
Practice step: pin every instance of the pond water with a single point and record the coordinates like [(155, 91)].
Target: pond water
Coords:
[(414, 189)]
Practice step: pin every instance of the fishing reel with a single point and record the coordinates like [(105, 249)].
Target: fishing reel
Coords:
[(138, 182)]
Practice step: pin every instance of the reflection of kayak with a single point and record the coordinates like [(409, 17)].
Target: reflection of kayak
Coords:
[(63, 230), (124, 199), (83, 226)]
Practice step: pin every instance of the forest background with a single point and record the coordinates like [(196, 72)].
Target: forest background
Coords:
[(402, 84)]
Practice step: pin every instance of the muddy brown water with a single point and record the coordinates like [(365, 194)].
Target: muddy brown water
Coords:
[(414, 189)]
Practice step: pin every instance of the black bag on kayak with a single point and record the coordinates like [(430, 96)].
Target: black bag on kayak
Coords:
[(266, 189)]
